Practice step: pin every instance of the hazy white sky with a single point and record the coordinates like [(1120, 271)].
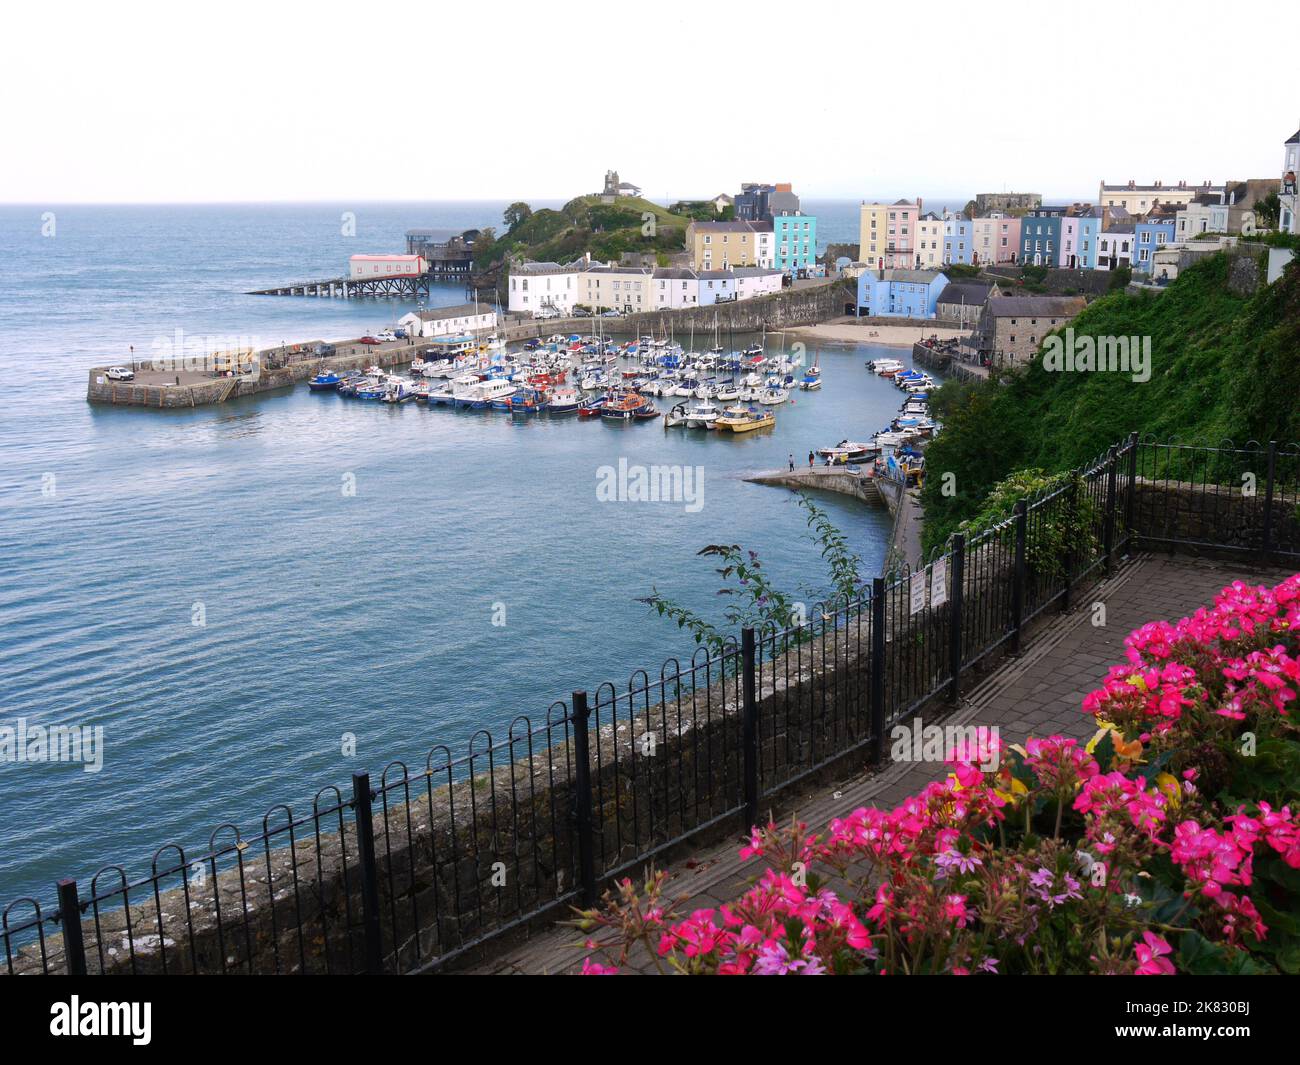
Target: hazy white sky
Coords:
[(274, 100)]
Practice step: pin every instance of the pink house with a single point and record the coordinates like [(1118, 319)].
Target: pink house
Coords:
[(900, 235), (995, 239)]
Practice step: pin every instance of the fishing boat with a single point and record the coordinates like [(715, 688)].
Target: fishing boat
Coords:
[(528, 401), (623, 407), (482, 394), (397, 390), (327, 381), (564, 400), (591, 408), (741, 419), (701, 414), (853, 450)]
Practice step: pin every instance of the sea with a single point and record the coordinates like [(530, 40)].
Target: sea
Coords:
[(254, 600)]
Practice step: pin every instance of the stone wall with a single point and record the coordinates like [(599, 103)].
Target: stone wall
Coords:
[(791, 307)]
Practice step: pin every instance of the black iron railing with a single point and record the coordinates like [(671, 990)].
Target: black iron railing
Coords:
[(428, 862)]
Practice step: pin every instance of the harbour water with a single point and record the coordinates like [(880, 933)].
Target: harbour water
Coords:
[(203, 586)]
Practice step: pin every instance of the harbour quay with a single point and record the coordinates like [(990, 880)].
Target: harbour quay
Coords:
[(218, 378)]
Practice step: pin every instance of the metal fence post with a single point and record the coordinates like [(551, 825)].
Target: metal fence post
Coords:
[(1072, 510), (1018, 577), (374, 955), (1130, 501), (749, 724), (1108, 528), (955, 614), (74, 946), (1267, 540), (582, 801), (878, 666)]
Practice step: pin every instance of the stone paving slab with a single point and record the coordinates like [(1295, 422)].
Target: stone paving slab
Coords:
[(1038, 693)]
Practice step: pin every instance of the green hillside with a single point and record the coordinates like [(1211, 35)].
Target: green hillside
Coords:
[(1222, 367), (586, 224)]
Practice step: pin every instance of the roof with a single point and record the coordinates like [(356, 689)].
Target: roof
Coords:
[(385, 258), (920, 277), (1126, 187), (1047, 306), (754, 271), (460, 310), (674, 273), (723, 227), (643, 270), (1128, 228), (539, 268), (1294, 138), (966, 292)]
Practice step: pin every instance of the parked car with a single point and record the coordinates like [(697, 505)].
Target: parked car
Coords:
[(400, 334), (580, 312), (546, 312), (324, 349), (369, 340), (120, 373), (385, 336), (612, 314)]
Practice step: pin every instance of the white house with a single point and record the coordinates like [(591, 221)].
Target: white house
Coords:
[(544, 286), (1289, 201), (717, 286), (1115, 248), (754, 281), (675, 287), (764, 245), (448, 321), (365, 267)]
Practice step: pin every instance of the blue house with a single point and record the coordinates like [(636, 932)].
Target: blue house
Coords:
[(794, 242), (1040, 237), (900, 293), (957, 238), (1148, 238)]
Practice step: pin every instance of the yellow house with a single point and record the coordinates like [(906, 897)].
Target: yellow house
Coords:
[(1140, 199), (873, 234), (723, 245), (623, 288), (929, 242)]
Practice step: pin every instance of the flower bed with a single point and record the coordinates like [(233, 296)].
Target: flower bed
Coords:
[(1165, 844)]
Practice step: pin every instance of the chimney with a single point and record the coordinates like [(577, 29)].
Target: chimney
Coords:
[(1132, 184)]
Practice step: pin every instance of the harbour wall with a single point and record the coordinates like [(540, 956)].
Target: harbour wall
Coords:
[(787, 309), (161, 389)]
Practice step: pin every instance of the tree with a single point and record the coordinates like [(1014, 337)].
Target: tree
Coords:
[(1267, 210), (516, 215)]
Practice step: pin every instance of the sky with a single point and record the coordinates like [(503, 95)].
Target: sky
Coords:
[(287, 101)]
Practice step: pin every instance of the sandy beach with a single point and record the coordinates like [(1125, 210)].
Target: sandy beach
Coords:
[(851, 331)]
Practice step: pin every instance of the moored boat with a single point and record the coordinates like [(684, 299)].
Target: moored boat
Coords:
[(327, 381)]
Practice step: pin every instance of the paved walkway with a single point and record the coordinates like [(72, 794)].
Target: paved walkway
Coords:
[(1038, 693)]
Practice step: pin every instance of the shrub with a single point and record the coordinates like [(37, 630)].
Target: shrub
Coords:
[(1160, 846)]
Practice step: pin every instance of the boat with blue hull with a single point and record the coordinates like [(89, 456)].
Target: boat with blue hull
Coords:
[(324, 382)]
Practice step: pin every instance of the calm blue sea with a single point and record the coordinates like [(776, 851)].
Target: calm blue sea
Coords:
[(323, 614)]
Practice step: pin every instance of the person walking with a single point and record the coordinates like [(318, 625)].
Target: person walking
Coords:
[(792, 463), (810, 460)]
